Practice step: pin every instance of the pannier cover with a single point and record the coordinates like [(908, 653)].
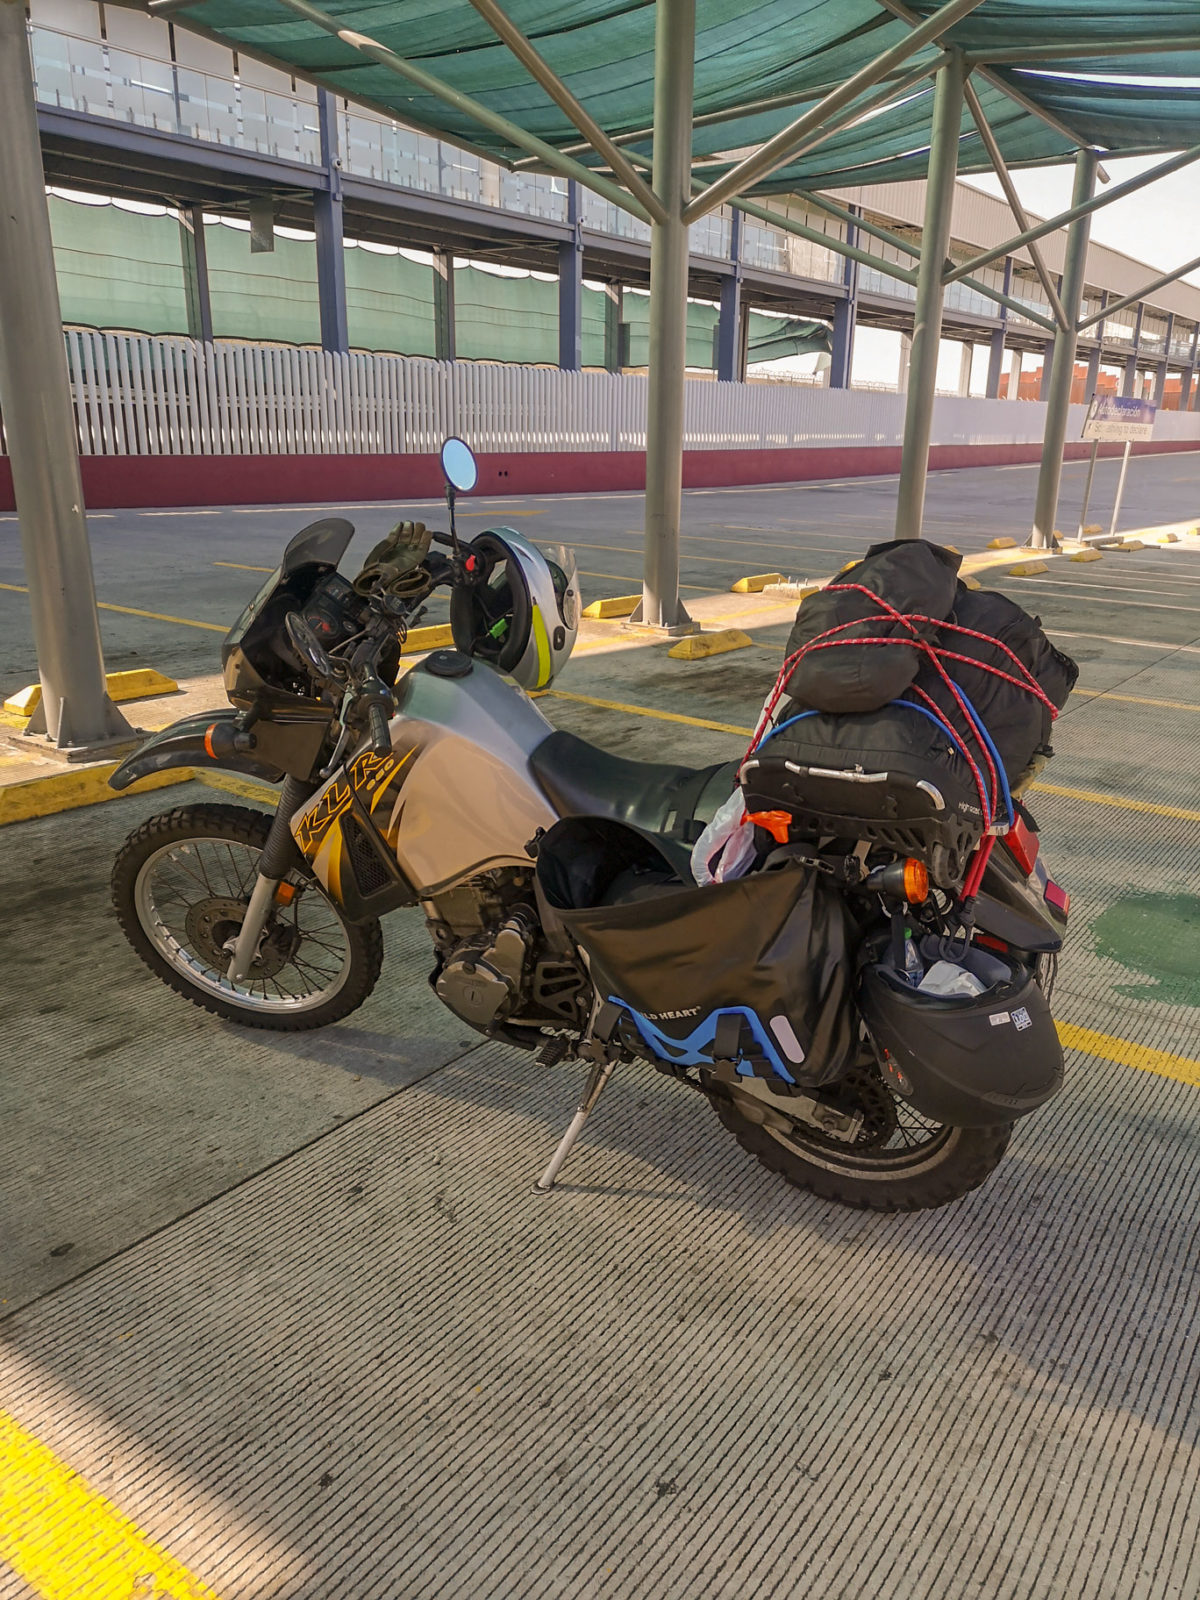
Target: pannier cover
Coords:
[(912, 575), (758, 969)]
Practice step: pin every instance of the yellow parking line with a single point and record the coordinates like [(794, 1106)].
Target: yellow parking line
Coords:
[(67, 1541), (644, 711), (1122, 802), (1183, 1069), (1134, 699), (132, 611), (242, 567)]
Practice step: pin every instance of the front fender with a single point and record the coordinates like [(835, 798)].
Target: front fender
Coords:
[(203, 740)]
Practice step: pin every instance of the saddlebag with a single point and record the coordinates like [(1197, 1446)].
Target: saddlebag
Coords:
[(753, 976)]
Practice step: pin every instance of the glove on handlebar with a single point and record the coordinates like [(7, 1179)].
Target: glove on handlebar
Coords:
[(396, 563)]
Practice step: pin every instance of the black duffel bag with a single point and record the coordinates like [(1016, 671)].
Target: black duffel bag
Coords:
[(1017, 720), (757, 972), (911, 575)]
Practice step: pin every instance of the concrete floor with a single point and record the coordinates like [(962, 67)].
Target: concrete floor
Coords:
[(191, 565), (290, 1306)]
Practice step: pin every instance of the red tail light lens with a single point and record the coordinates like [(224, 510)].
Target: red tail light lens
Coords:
[(1022, 844)]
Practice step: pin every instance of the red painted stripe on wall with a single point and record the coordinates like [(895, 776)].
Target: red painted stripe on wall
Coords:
[(121, 481)]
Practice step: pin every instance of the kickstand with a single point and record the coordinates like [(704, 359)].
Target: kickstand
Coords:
[(597, 1078)]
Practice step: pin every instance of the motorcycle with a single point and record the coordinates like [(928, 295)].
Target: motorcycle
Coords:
[(441, 785)]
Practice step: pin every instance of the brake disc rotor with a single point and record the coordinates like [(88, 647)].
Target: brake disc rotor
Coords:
[(211, 923)]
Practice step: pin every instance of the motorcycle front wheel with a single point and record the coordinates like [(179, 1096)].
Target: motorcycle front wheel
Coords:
[(181, 884), (897, 1161)]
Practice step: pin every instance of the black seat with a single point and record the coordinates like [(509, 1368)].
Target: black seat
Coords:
[(581, 781)]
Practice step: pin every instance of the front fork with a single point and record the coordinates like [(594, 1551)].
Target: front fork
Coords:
[(279, 856)]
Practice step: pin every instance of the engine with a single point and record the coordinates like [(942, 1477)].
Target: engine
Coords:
[(481, 982), (495, 970)]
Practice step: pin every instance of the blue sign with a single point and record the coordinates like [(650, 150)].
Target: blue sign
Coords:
[(1119, 418)]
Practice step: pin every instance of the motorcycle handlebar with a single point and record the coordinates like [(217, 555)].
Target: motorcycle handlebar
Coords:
[(381, 742)]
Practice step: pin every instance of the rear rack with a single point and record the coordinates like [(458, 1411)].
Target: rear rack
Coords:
[(890, 809)]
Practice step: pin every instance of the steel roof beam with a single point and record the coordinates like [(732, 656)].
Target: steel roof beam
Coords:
[(1140, 294), (1055, 124), (544, 74), (778, 151), (1014, 202), (898, 242), (565, 165), (1041, 229), (1030, 55)]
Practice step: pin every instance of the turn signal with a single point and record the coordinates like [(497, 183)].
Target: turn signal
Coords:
[(901, 880), (916, 881), (777, 823)]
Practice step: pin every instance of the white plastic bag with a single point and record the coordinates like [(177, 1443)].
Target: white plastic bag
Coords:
[(726, 847), (948, 978)]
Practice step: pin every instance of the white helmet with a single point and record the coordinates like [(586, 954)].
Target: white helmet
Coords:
[(524, 617)]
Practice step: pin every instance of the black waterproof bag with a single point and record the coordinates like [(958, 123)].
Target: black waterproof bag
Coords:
[(756, 974), (911, 575)]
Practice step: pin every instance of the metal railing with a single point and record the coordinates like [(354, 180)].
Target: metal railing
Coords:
[(144, 395)]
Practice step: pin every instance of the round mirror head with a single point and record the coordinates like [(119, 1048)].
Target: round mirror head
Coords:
[(458, 465)]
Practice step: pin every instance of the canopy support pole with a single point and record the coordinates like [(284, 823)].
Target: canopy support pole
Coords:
[(1062, 365), (39, 420), (674, 69), (927, 326)]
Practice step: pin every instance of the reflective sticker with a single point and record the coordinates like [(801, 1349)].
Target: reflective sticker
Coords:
[(542, 643), (1022, 1019), (997, 1017), (786, 1034)]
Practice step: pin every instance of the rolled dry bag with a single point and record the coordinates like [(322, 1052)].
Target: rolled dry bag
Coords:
[(967, 1062), (912, 576), (757, 971)]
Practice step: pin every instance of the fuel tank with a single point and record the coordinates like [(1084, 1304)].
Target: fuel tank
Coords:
[(455, 797)]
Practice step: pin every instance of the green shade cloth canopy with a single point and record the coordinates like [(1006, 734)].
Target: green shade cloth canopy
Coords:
[(748, 51)]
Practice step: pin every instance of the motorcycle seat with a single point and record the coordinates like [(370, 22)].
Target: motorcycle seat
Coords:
[(580, 780)]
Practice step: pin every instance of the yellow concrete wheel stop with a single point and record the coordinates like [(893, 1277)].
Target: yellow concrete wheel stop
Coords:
[(622, 605), (1085, 555), (1027, 569), (755, 583), (139, 683), (697, 646), (1002, 544), (438, 637)]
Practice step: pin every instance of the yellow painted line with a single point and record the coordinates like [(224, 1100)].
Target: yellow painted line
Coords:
[(623, 577), (645, 711), (1183, 1069), (1122, 802), (233, 783), (240, 566), (1134, 699), (509, 511), (67, 1541), (132, 611)]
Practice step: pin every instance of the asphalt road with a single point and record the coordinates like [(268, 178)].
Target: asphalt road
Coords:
[(195, 568)]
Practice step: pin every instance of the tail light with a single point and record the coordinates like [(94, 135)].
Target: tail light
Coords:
[(1057, 897)]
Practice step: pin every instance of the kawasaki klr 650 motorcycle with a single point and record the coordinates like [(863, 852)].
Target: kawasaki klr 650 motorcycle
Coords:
[(554, 880)]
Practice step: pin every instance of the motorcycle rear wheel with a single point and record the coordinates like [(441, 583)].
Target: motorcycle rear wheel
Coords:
[(180, 884), (899, 1161)]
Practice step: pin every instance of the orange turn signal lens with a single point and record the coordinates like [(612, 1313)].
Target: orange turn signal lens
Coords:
[(777, 823), (916, 881)]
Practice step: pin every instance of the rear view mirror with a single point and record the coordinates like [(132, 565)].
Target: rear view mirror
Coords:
[(459, 466)]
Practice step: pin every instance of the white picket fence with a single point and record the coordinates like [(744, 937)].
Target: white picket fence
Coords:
[(142, 395)]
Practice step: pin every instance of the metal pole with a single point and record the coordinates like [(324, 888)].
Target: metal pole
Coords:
[(927, 325), (1087, 488), (39, 420), (1062, 364), (570, 288), (729, 323), (674, 73), (327, 224), (1112, 527)]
